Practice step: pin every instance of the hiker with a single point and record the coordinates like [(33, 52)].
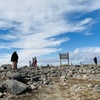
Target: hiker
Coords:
[(14, 60), (35, 61), (95, 60)]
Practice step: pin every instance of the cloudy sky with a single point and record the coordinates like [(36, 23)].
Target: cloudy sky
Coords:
[(43, 28)]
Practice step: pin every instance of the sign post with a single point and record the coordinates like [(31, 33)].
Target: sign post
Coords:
[(64, 56)]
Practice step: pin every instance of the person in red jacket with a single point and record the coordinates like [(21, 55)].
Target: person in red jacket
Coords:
[(14, 60), (35, 62)]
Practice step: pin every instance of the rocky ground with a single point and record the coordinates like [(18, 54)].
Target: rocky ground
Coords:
[(51, 83)]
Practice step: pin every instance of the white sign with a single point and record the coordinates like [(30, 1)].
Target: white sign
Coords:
[(64, 55)]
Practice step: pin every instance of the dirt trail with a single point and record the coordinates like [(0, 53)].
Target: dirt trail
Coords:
[(58, 91)]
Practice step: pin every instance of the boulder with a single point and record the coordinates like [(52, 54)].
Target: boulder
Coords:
[(13, 75), (14, 86), (1, 94)]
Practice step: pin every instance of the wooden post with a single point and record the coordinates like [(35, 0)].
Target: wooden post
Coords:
[(68, 58), (60, 58)]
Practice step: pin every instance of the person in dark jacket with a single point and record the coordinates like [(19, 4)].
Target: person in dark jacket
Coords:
[(14, 60), (95, 60)]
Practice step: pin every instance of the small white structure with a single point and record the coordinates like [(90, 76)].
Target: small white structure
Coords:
[(6, 67)]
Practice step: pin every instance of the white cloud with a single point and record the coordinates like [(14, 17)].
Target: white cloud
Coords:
[(85, 55), (88, 33), (86, 21), (5, 58), (34, 24)]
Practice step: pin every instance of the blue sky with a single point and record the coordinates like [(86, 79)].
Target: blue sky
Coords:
[(43, 28)]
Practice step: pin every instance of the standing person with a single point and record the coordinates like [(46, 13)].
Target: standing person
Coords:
[(95, 60), (14, 60), (35, 62), (32, 62)]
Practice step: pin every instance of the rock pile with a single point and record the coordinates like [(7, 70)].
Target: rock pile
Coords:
[(27, 79)]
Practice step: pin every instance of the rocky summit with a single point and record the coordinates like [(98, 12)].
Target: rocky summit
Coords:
[(80, 82)]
